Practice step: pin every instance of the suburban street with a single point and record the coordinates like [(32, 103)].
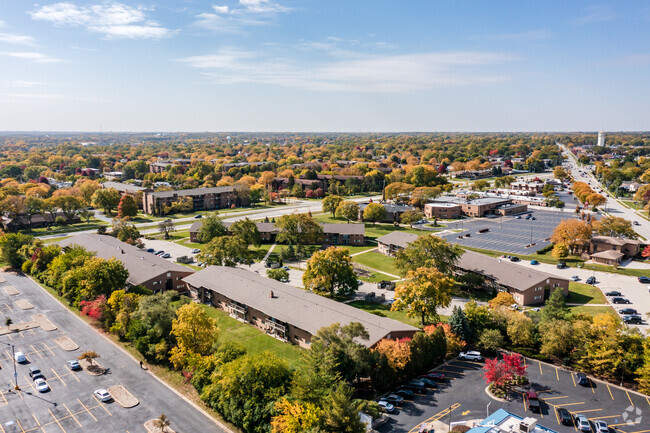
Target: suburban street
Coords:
[(70, 405), (612, 206)]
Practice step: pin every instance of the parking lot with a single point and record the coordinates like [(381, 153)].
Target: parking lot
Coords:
[(70, 405), (463, 397), (509, 234)]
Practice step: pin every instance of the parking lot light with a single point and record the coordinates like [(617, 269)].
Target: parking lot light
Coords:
[(13, 356)]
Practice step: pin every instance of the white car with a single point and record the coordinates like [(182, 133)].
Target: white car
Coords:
[(102, 395), (41, 385), (386, 406), (471, 356), (20, 357), (601, 426), (575, 278)]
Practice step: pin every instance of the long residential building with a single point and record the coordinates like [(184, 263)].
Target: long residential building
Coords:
[(288, 313), (333, 234), (526, 285), (145, 269), (126, 188), (202, 199)]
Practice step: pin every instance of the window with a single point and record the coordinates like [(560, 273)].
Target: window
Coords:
[(155, 283), (169, 274), (537, 298)]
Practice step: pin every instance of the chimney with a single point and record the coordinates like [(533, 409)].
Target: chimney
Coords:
[(272, 295)]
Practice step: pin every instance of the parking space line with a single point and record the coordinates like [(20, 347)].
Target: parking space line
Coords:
[(38, 423), (72, 373), (608, 416), (630, 398), (436, 417), (72, 415), (648, 400), (57, 421), (99, 403), (625, 423), (4, 398), (57, 375), (610, 392), (573, 404), (574, 381), (590, 410), (451, 371), (591, 384), (555, 398), (48, 348), (36, 351), (540, 368), (3, 430), (640, 431), (29, 383), (86, 409), (8, 307), (9, 336), (22, 430)]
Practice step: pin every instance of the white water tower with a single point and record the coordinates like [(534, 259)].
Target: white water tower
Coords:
[(601, 138)]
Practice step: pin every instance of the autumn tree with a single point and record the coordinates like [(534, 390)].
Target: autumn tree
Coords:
[(88, 356), (348, 210), (426, 290), (224, 251), (10, 247), (491, 340), (278, 274), (374, 212), (106, 198), (298, 229), (560, 173), (331, 203), (411, 216), (424, 194), (398, 352), (480, 185), (560, 251), (196, 335), (520, 329), (557, 337), (295, 417), (331, 271), (571, 233), (502, 299), (398, 191), (246, 230), (428, 251), (615, 226), (127, 207), (643, 372)]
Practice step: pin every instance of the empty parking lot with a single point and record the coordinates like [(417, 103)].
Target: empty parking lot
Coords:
[(70, 405), (509, 234)]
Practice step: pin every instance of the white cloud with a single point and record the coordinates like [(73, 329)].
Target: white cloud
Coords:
[(114, 20), (220, 9), (597, 14), (25, 84), (249, 13), (33, 56), (16, 39), (379, 74)]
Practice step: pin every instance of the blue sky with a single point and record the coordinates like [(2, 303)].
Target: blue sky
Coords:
[(329, 65)]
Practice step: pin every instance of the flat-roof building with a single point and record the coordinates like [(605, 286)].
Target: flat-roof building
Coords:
[(502, 421), (283, 311), (145, 269), (202, 199)]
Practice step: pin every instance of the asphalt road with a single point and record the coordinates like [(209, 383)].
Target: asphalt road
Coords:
[(463, 398), (70, 406), (509, 234)]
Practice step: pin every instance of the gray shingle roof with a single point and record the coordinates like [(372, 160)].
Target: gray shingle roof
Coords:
[(142, 266), (303, 309), (126, 187), (503, 271), (194, 191), (397, 238), (344, 229)]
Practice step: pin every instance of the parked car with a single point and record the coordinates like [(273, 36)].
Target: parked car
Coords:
[(533, 218), (514, 259), (393, 399), (35, 373), (564, 416), (166, 256), (644, 280), (591, 280), (150, 250), (198, 216), (415, 386), (619, 300), (73, 364), (613, 293), (406, 394), (533, 401), (20, 357), (534, 262), (518, 217), (582, 423), (159, 253), (601, 426), (102, 395), (636, 223), (627, 311), (41, 385), (386, 406), (575, 278), (471, 356), (438, 377), (633, 320), (582, 379), (429, 383), (196, 251), (561, 265)]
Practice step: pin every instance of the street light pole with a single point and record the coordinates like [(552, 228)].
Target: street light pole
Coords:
[(449, 418), (487, 410), (13, 355)]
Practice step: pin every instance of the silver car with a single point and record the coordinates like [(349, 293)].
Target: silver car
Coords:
[(601, 426)]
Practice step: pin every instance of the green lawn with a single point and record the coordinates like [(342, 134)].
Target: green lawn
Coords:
[(378, 230), (52, 240), (377, 261), (594, 310), (580, 293), (93, 225), (377, 277), (173, 236), (384, 310), (357, 249), (254, 340)]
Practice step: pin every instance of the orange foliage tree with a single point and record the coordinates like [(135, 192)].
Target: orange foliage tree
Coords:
[(398, 352), (454, 343)]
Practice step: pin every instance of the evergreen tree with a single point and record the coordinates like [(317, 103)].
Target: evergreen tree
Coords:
[(460, 324), (555, 307)]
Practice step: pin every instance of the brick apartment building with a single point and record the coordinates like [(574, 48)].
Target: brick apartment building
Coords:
[(202, 199)]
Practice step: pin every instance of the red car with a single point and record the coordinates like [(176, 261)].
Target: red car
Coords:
[(438, 377)]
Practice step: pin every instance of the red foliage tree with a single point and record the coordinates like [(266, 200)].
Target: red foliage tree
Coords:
[(646, 251), (94, 309), (496, 372), (515, 363)]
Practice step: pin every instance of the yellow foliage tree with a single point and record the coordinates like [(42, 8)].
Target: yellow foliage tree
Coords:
[(571, 233), (398, 352), (295, 417), (196, 335), (426, 289), (502, 299)]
